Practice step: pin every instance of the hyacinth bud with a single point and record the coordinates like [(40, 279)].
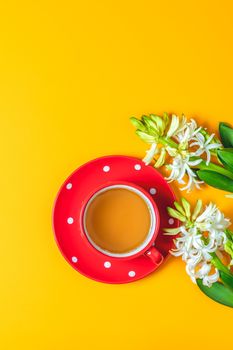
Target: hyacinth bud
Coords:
[(175, 214), (138, 124), (160, 123), (146, 137)]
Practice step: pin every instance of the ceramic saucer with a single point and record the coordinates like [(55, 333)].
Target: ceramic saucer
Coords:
[(68, 231)]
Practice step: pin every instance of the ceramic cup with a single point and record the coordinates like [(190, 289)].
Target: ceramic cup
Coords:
[(147, 247)]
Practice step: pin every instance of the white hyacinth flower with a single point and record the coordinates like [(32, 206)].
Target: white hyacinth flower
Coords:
[(204, 274), (212, 220), (204, 146), (208, 280), (180, 167), (200, 236), (188, 132), (184, 141)]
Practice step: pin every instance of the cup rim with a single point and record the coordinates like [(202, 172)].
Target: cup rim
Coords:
[(154, 215)]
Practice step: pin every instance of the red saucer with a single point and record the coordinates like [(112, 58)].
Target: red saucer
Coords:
[(67, 227)]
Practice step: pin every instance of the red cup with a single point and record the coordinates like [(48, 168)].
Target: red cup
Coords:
[(147, 247)]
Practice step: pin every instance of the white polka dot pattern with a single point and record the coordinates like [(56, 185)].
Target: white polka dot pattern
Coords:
[(69, 186), (74, 259), (171, 221), (107, 264), (132, 273), (137, 167), (152, 190), (106, 168), (70, 220)]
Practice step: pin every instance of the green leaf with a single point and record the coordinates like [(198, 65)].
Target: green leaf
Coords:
[(226, 133), (225, 156), (227, 279), (228, 247), (218, 292), (217, 168), (229, 234), (216, 261), (186, 207), (216, 180)]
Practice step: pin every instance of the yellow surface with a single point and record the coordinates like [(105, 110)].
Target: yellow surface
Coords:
[(71, 74)]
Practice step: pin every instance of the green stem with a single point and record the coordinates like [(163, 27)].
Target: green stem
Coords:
[(213, 152), (219, 265), (166, 141)]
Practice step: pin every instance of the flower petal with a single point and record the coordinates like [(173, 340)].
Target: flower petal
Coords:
[(150, 154)]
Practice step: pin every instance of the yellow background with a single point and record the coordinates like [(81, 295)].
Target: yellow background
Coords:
[(71, 74)]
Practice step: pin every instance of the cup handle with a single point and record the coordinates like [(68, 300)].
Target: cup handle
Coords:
[(155, 256)]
